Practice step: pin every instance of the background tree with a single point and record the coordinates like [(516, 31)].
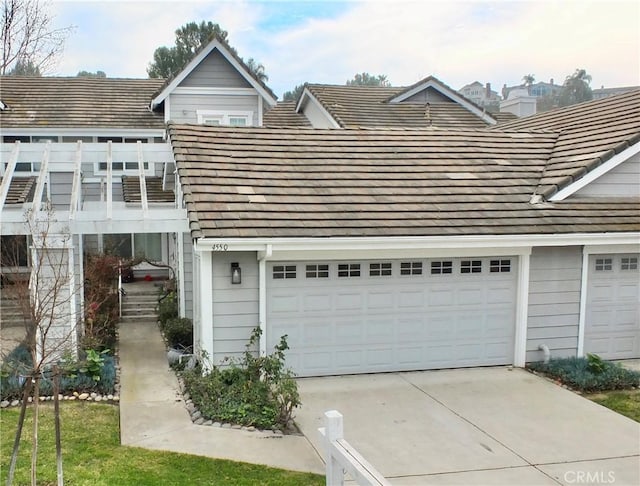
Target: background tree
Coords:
[(29, 37), (575, 89), (169, 61), (366, 79), (24, 68), (257, 69), (528, 79), (294, 94), (88, 74)]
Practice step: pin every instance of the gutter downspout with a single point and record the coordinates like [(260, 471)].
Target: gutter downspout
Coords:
[(263, 256)]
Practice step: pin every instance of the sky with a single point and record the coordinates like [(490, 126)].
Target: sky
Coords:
[(328, 41)]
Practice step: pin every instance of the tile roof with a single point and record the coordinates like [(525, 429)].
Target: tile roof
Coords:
[(155, 192), (50, 102), (258, 182), (589, 134), (369, 107), (284, 114), (20, 190)]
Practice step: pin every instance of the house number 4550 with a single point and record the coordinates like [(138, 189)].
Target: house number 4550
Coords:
[(220, 247)]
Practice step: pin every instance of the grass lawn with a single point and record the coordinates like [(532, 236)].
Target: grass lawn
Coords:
[(625, 402), (92, 455)]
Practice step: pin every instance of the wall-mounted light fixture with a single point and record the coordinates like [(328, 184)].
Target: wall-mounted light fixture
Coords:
[(236, 273)]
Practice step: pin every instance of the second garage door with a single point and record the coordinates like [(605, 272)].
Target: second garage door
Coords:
[(613, 307), (393, 315)]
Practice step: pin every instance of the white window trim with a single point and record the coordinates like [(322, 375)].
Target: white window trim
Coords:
[(224, 116)]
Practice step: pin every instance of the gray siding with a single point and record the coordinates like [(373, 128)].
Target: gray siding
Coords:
[(184, 107), (428, 95), (623, 180), (235, 307), (215, 71), (554, 301), (61, 184), (187, 262)]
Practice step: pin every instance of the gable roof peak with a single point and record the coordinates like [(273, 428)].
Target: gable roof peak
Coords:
[(229, 53)]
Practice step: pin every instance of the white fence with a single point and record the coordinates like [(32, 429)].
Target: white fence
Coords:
[(341, 457)]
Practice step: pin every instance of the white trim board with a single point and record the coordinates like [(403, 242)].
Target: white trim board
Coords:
[(494, 242), (596, 173)]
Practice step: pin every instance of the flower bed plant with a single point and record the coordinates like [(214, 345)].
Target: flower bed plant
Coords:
[(253, 391), (589, 374), (94, 372)]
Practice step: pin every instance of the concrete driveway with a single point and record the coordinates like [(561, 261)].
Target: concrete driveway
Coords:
[(475, 427)]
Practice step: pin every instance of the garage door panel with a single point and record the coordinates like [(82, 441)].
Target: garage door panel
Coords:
[(380, 300), (470, 296), (317, 302), (440, 297), (284, 303), (348, 301), (393, 323), (410, 299), (318, 331), (628, 291)]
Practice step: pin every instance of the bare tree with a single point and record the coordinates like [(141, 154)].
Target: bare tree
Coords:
[(47, 303), (28, 35)]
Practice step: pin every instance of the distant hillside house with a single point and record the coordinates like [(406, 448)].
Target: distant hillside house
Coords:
[(603, 92), (480, 94)]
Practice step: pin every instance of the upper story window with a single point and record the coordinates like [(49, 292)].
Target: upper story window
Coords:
[(226, 118)]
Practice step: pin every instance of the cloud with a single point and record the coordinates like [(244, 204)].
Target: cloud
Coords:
[(329, 42)]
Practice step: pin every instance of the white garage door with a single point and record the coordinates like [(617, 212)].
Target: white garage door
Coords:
[(612, 326), (372, 316)]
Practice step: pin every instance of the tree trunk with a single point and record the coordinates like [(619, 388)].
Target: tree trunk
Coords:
[(16, 443), (34, 446), (56, 403)]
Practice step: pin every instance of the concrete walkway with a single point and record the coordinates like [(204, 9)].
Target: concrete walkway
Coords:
[(153, 415)]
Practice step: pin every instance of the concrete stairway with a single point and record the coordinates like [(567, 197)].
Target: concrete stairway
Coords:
[(140, 301), (10, 313)]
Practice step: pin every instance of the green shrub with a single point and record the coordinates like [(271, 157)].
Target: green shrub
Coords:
[(178, 332), (589, 374), (255, 390), (167, 307)]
